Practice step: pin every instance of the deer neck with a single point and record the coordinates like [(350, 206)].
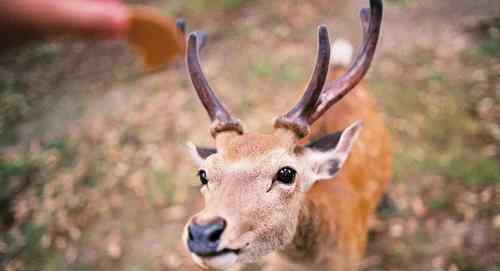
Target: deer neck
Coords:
[(310, 236)]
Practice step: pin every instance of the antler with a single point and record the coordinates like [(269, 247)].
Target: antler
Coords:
[(220, 117), (316, 101), (297, 118)]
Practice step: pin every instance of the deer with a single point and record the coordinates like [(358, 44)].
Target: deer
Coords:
[(301, 197)]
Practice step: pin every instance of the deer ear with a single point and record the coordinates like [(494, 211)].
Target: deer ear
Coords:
[(327, 155), (199, 154)]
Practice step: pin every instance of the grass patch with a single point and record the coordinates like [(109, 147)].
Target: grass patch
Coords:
[(487, 48), (262, 68), (475, 171), (265, 69), (91, 179), (161, 189), (64, 148), (405, 100), (462, 166), (403, 3), (44, 54), (32, 235), (54, 261), (442, 203), (290, 72), (464, 263), (436, 128), (13, 169), (8, 172), (14, 107), (15, 103)]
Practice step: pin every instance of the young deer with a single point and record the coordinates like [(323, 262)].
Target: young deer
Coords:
[(271, 193)]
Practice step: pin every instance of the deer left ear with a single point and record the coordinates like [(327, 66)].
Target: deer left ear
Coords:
[(199, 154), (327, 155)]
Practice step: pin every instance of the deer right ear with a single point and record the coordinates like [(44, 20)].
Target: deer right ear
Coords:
[(199, 154), (326, 156)]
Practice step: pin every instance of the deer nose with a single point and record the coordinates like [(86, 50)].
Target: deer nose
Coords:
[(203, 239)]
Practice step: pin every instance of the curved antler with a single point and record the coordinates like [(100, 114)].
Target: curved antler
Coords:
[(371, 21), (297, 118), (220, 117), (340, 87)]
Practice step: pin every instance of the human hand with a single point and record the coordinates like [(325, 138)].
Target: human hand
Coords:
[(28, 20)]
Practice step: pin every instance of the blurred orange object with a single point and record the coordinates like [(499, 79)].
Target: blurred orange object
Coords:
[(154, 37)]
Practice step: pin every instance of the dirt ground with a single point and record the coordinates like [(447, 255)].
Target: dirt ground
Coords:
[(93, 170)]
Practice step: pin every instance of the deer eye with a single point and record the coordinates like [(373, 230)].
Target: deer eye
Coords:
[(286, 175), (203, 176)]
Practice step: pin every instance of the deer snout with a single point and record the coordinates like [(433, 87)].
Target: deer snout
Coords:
[(203, 239)]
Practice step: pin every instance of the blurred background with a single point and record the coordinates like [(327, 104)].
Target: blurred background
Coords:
[(93, 170)]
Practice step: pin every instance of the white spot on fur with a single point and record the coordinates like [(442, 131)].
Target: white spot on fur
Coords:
[(342, 52)]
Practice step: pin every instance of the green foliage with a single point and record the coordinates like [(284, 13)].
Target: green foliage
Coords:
[(487, 48), (33, 233), (9, 170)]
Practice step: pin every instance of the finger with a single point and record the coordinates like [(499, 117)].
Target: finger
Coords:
[(99, 19)]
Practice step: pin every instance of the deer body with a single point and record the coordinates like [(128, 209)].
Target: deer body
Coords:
[(308, 203), (335, 221)]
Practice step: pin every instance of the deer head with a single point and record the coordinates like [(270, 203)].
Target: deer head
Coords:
[(254, 184)]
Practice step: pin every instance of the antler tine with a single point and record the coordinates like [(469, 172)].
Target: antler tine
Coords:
[(297, 118), (220, 117), (371, 23), (181, 25), (317, 100)]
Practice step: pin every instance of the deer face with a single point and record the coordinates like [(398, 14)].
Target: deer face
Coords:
[(252, 198), (254, 185)]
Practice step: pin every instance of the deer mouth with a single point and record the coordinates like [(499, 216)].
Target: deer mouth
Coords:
[(220, 253), (220, 260)]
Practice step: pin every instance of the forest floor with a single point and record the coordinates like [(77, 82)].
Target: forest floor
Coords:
[(93, 170)]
